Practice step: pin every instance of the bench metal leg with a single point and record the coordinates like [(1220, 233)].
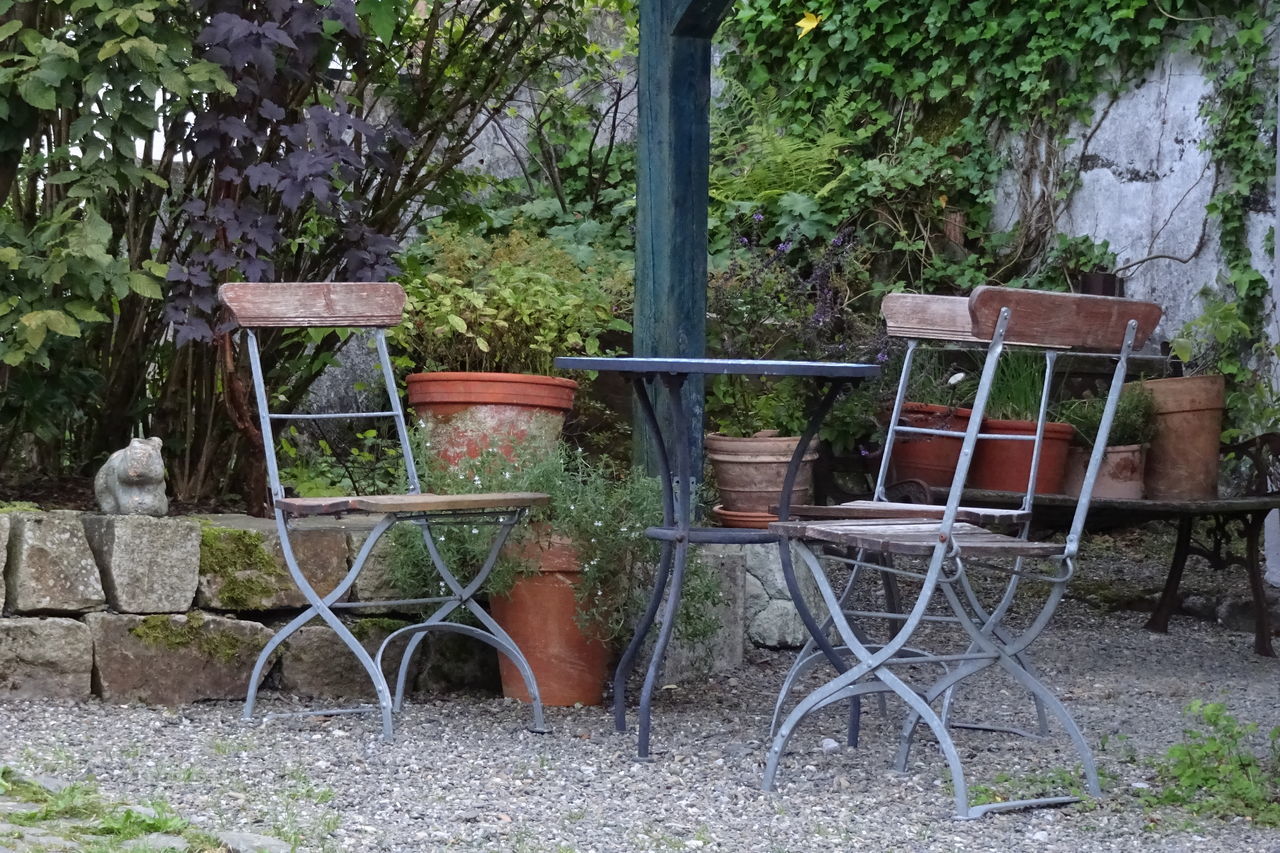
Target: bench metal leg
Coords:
[(1159, 620)]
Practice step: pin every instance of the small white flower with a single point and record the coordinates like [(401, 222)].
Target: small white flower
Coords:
[(506, 475), (476, 479), (475, 530), (955, 379), (599, 524)]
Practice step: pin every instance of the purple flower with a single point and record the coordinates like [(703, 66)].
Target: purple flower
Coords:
[(784, 247), (837, 240), (743, 241), (863, 451), (882, 357), (758, 217)]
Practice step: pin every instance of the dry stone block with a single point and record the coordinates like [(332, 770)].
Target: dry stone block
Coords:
[(45, 658), (724, 649), (4, 555), (242, 566), (173, 660), (316, 662), (374, 581), (52, 569), (149, 565)]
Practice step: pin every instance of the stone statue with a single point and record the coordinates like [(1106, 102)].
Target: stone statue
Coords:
[(132, 480)]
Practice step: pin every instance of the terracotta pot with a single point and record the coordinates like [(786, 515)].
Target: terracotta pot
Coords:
[(928, 458), (468, 413), (539, 613), (1119, 477), (1182, 462), (749, 471), (1006, 465)]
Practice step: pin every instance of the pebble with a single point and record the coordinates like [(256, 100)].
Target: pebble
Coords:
[(446, 781)]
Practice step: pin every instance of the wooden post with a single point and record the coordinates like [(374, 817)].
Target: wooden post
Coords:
[(671, 192)]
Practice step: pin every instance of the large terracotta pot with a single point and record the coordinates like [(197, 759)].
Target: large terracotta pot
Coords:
[(928, 458), (1006, 465), (539, 613), (468, 413), (1182, 462), (749, 471), (1119, 477)]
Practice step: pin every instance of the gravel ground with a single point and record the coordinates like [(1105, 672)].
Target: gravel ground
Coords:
[(464, 774)]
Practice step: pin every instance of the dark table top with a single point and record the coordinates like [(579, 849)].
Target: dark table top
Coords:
[(1057, 509), (712, 366)]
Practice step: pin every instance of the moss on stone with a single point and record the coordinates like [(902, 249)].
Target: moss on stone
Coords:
[(237, 558), (169, 633), (380, 626), (18, 506)]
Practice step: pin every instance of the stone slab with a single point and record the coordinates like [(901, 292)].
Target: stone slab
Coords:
[(771, 618), (173, 659), (45, 658), (51, 567), (374, 581), (5, 523), (235, 577), (148, 565), (723, 651)]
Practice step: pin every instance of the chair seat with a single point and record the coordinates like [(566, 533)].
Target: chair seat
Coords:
[(913, 537), (409, 503), (889, 509)]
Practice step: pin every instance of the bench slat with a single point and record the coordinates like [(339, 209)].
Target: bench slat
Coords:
[(327, 303), (890, 509), (916, 315)]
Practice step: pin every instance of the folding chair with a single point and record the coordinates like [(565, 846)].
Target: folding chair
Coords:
[(376, 306), (950, 632)]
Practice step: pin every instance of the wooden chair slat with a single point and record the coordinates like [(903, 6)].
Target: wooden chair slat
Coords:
[(1070, 320), (409, 503), (328, 303), (916, 537), (890, 509), (916, 315)]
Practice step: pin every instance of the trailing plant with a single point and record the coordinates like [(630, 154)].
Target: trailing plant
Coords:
[(600, 509), (510, 303), (1217, 771)]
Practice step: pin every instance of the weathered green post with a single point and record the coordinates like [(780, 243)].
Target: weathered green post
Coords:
[(671, 192)]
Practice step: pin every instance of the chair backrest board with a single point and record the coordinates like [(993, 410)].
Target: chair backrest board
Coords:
[(326, 303), (1061, 320)]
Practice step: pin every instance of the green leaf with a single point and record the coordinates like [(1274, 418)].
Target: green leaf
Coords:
[(457, 323), (37, 93), (144, 285), (8, 29), (380, 16)]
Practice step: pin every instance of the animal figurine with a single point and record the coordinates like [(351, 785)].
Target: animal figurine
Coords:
[(132, 480)]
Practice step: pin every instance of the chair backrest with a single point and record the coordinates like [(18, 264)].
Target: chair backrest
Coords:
[(373, 305), (999, 316)]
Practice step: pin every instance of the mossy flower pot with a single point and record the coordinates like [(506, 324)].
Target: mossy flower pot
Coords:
[(1119, 477), (468, 413)]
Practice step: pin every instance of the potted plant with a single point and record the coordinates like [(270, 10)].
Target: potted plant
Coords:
[(566, 583), (485, 317), (1012, 409), (1124, 460), (938, 394), (765, 305)]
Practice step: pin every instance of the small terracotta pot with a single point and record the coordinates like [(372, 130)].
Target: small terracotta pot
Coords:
[(468, 413), (1006, 465), (750, 471), (540, 613), (1119, 477), (731, 518)]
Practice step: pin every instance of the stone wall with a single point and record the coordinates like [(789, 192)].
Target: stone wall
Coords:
[(171, 610)]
